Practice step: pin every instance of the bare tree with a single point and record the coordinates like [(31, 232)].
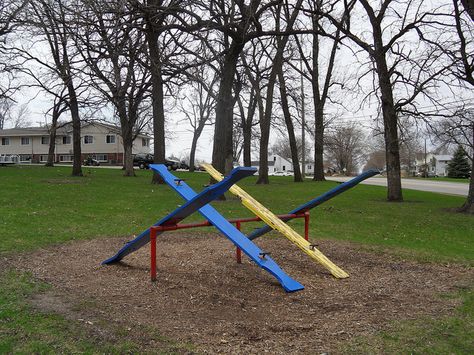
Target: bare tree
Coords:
[(49, 21), (385, 46), (10, 11), (320, 71), (198, 105), (346, 148), (297, 176), (459, 130), (20, 117), (115, 53), (6, 106)]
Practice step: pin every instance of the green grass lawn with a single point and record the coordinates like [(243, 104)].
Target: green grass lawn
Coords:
[(44, 206)]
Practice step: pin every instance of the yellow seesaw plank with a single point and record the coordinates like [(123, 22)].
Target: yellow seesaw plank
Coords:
[(276, 223)]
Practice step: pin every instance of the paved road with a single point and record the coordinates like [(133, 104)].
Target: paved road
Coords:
[(444, 187)]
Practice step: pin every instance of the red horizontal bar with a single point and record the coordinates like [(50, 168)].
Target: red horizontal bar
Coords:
[(207, 223)]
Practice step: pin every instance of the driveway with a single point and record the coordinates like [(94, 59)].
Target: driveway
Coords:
[(443, 187)]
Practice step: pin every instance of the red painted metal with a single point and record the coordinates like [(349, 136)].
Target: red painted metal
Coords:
[(238, 252), (306, 225), (153, 253), (173, 227)]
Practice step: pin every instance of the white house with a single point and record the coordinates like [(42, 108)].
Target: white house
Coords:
[(101, 141), (278, 164), (441, 164), (435, 164)]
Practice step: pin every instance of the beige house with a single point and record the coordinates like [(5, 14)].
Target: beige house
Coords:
[(98, 140)]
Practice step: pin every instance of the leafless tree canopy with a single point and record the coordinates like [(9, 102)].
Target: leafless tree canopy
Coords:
[(252, 69)]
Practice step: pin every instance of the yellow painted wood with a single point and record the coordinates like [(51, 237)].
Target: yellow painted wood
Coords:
[(276, 223)]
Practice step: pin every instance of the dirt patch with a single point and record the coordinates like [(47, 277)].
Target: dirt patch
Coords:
[(203, 297)]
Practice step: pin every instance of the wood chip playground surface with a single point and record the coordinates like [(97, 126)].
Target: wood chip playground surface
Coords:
[(203, 297)]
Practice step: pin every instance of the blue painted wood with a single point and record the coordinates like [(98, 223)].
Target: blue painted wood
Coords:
[(232, 233), (318, 200), (192, 205)]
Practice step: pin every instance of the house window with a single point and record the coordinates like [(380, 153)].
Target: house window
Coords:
[(45, 140), (25, 158), (145, 142), (67, 140), (110, 139), (65, 158), (25, 140), (5, 141), (43, 158), (274, 159), (88, 139), (284, 167), (102, 157)]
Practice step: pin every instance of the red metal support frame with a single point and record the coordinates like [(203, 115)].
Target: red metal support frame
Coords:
[(238, 223), (153, 253), (306, 225)]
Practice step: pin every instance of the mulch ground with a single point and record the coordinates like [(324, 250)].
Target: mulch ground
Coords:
[(203, 297)]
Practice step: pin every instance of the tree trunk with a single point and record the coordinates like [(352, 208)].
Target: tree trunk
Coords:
[(318, 174), (76, 129), (127, 138), (192, 152), (222, 152), (468, 206), (265, 123), (390, 119), (128, 158), (247, 135), (247, 127), (52, 139), (157, 98), (297, 177), (469, 7), (392, 150)]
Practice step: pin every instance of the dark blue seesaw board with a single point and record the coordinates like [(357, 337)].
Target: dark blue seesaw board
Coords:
[(192, 205), (200, 201), (318, 200)]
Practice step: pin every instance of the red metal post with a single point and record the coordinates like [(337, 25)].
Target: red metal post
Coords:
[(153, 254), (238, 252), (306, 225)]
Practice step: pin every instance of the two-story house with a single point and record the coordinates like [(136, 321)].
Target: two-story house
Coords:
[(99, 140), (436, 164)]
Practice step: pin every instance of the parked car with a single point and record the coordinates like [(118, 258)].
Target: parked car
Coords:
[(90, 161), (183, 165), (172, 164), (143, 161)]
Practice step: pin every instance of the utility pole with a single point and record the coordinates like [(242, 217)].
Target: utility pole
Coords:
[(425, 172), (303, 163)]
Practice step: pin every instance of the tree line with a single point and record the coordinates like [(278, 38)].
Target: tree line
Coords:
[(246, 67)]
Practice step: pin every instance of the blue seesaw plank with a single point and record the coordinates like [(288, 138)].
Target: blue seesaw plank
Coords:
[(192, 205), (318, 200), (201, 200), (232, 233)]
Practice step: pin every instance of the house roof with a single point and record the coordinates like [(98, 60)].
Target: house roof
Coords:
[(443, 157), (257, 163), (64, 130), (30, 131)]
